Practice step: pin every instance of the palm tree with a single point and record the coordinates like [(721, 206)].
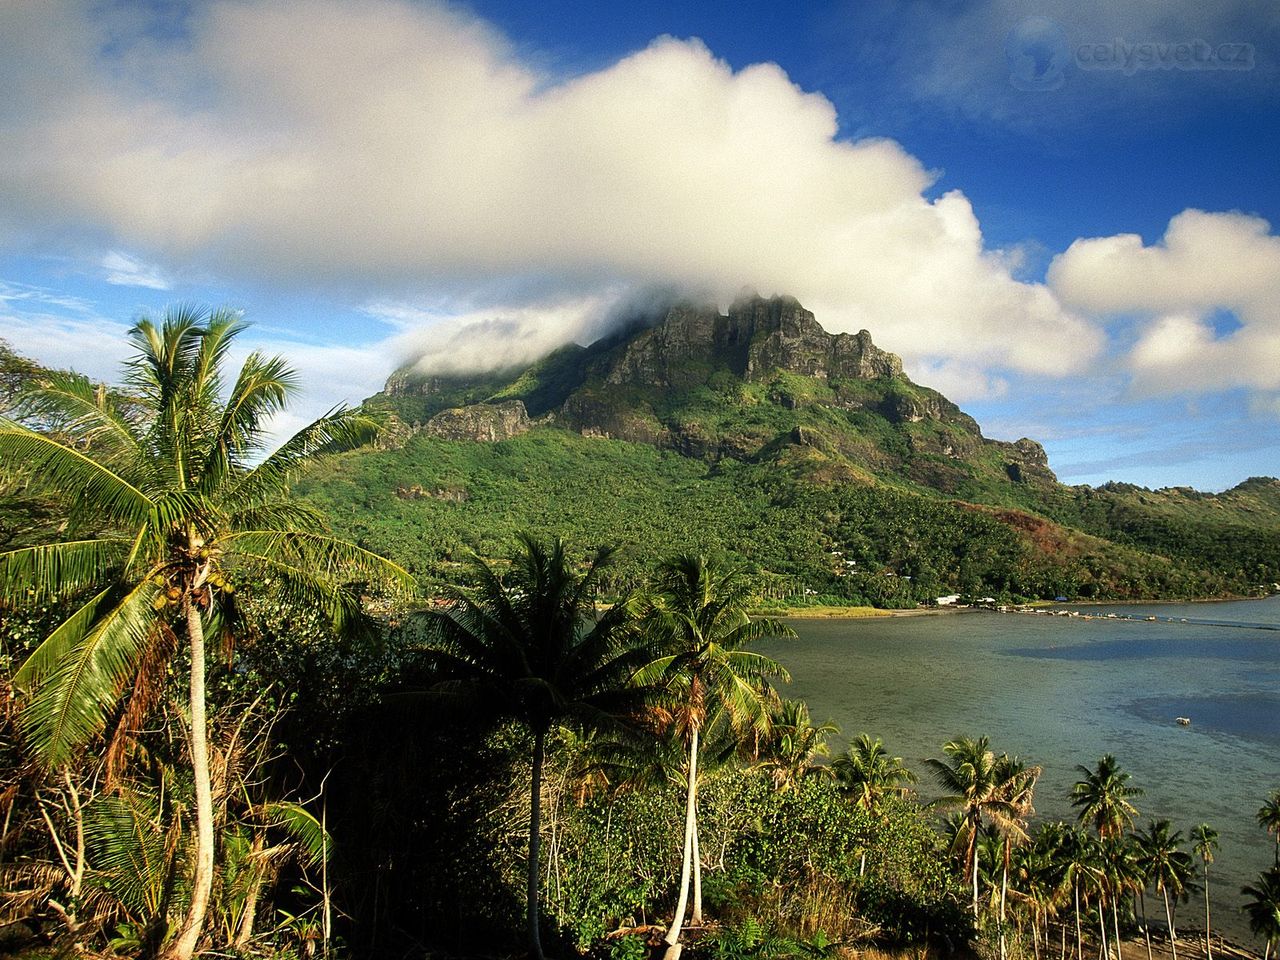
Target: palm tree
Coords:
[(174, 509), (867, 771), (977, 784), (790, 751), (1077, 851), (1018, 784), (1269, 820), (696, 618), (1168, 867), (1119, 870), (1103, 797), (1204, 841), (1048, 874), (1264, 908), (529, 645), (1142, 878)]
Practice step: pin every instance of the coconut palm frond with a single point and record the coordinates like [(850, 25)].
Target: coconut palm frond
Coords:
[(314, 842), (323, 557), (71, 405), (59, 570), (25, 888), (338, 431), (46, 657), (78, 475), (127, 846), (295, 583), (278, 515), (148, 687), (261, 390), (71, 705)]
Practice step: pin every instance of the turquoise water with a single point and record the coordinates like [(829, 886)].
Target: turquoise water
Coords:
[(1062, 691)]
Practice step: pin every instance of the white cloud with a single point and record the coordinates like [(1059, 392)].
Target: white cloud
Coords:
[(23, 293), (491, 339), (1206, 263), (1266, 406), (126, 271), (961, 383), (391, 150), (86, 343), (329, 376)]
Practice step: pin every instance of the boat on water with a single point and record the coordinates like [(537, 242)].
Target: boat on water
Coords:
[(1183, 721)]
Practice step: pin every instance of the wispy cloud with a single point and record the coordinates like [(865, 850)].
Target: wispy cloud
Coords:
[(127, 271), (12, 293), (85, 342)]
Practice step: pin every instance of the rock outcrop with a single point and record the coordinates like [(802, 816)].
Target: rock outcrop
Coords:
[(488, 422), (1026, 462), (754, 339)]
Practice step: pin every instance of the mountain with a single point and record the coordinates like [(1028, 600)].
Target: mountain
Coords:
[(808, 456), (743, 386)]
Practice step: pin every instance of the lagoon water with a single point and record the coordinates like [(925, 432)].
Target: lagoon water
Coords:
[(1062, 691)]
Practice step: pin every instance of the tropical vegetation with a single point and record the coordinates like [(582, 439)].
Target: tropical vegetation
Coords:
[(226, 731), (171, 519)]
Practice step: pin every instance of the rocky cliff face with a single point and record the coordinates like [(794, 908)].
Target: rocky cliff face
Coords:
[(1026, 462), (753, 340), (743, 384), (485, 422)]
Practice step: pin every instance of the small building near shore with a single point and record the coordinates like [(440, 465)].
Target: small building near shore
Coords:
[(948, 600)]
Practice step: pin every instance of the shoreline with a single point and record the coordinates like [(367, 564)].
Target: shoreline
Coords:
[(1050, 607), (856, 613)]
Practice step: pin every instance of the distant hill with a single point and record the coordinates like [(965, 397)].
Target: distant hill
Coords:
[(809, 457)]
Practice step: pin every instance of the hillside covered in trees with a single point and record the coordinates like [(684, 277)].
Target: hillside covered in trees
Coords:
[(808, 457)]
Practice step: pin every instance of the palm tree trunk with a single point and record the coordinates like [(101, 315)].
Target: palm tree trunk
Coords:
[(973, 860), (690, 818), (1102, 926), (1004, 887), (696, 858), (1173, 940), (1146, 930), (184, 946), (1075, 885), (1208, 948), (1115, 927), (535, 838)]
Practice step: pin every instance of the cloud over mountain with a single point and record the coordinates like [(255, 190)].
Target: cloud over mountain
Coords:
[(403, 152)]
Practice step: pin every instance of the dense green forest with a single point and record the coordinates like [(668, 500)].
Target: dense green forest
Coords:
[(426, 504)]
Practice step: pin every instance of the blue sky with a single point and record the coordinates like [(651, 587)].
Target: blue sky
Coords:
[(1063, 215)]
